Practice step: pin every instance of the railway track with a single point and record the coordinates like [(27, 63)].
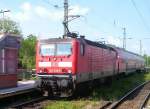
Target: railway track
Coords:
[(147, 105), (135, 99), (106, 105), (35, 103)]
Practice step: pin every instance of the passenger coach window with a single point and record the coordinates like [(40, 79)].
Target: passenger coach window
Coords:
[(82, 49)]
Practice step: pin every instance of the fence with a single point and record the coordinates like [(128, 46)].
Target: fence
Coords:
[(24, 74)]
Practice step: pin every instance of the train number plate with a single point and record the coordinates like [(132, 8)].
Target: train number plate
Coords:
[(54, 64)]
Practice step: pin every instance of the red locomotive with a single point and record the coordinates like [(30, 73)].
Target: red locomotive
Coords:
[(62, 64)]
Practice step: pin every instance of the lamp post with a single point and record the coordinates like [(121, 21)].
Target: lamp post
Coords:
[(3, 16)]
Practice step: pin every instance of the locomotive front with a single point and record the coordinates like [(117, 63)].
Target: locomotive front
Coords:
[(56, 66)]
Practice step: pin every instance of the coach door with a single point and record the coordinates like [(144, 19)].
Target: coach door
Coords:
[(11, 61)]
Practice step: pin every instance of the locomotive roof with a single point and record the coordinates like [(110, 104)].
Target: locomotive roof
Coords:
[(97, 44), (118, 48), (127, 54), (55, 40), (112, 47)]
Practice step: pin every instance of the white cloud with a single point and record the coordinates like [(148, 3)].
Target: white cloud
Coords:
[(22, 16), (114, 41), (135, 47), (58, 14), (26, 6), (35, 18), (78, 10), (41, 11), (25, 13), (29, 12)]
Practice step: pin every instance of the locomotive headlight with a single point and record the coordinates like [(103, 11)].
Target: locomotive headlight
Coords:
[(40, 71), (69, 71), (54, 59)]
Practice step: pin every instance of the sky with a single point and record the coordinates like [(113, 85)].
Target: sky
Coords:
[(101, 20)]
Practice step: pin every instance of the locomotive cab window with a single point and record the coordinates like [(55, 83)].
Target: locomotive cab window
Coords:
[(64, 49), (47, 50), (56, 49), (82, 49)]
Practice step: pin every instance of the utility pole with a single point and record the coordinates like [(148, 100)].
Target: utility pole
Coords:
[(141, 47), (124, 38), (3, 16), (147, 60), (65, 18)]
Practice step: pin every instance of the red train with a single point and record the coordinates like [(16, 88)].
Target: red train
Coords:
[(63, 64)]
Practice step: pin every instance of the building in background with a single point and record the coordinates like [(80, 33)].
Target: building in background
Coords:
[(9, 45)]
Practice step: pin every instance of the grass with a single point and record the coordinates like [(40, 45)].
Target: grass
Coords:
[(119, 87), (71, 105), (103, 92)]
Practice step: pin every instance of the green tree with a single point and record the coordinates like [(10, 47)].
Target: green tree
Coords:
[(9, 26), (27, 52), (147, 60)]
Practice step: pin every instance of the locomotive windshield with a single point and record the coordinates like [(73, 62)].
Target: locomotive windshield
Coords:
[(56, 49), (63, 49), (47, 50)]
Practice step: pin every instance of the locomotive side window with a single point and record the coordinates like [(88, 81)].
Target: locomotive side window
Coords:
[(82, 49), (47, 50)]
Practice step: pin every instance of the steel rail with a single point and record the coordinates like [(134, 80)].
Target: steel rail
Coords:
[(5, 95), (145, 101), (106, 105), (116, 104), (29, 102)]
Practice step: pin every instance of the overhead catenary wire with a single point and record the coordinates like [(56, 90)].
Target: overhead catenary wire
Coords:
[(53, 5), (140, 15), (147, 4)]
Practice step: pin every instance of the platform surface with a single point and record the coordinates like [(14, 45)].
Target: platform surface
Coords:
[(22, 87)]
